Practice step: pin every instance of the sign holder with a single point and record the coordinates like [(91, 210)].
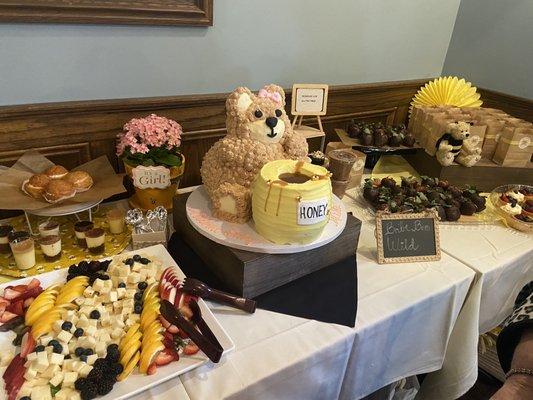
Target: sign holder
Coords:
[(309, 100), (381, 254)]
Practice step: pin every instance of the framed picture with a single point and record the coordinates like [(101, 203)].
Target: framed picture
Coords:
[(407, 237), (137, 12), (309, 99)]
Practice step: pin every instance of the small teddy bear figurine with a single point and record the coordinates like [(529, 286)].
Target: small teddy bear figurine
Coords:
[(258, 131), (456, 145)]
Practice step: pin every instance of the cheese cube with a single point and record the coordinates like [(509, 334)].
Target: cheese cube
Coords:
[(74, 395), (25, 390), (57, 359), (104, 337), (150, 280), (85, 310), (64, 336), (98, 285), (134, 277), (129, 303), (79, 300), (105, 320), (121, 292), (40, 382), (69, 379), (93, 322), (41, 393), (50, 371), (65, 350), (100, 349), (116, 333), (90, 342), (77, 366), (123, 271), (88, 292), (130, 293), (108, 284), (109, 308), (82, 321), (45, 339), (30, 374), (64, 394), (126, 311), (92, 358), (57, 379), (84, 371), (67, 364), (113, 296), (41, 363), (90, 331), (105, 290), (31, 356), (57, 325), (117, 323), (89, 301)]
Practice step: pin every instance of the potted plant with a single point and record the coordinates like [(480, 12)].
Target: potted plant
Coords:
[(150, 150)]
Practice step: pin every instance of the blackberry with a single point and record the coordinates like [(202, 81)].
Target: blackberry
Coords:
[(80, 383), (95, 314), (83, 358), (138, 296), (100, 364), (39, 348), (57, 349), (78, 332), (94, 266), (88, 352), (83, 264), (79, 351), (95, 374), (90, 391), (113, 354), (73, 269), (66, 326), (144, 261), (71, 276), (137, 258), (122, 284), (115, 369), (104, 265), (105, 386), (53, 343), (138, 308), (142, 285)]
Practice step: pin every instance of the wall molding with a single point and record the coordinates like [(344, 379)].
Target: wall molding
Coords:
[(73, 132)]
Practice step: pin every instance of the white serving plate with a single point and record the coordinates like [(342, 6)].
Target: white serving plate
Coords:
[(66, 209), (136, 382), (244, 236)]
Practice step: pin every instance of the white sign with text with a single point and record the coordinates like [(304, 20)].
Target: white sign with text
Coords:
[(309, 100), (312, 212), (151, 177)]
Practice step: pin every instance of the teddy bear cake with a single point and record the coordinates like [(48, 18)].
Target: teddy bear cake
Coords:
[(258, 131), (258, 168)]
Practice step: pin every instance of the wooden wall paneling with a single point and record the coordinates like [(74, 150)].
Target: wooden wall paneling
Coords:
[(518, 107), (93, 125)]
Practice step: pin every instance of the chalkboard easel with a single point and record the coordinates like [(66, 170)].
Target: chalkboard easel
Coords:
[(407, 237)]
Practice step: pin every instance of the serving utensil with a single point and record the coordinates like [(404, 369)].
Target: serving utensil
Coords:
[(200, 289)]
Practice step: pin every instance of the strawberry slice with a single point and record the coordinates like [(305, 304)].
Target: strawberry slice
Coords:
[(20, 288), (15, 365), (166, 357), (152, 369), (34, 283), (30, 293), (190, 349), (28, 301), (7, 316), (17, 307), (10, 293), (28, 345)]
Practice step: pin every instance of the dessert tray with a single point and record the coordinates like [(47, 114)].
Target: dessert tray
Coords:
[(155, 284), (244, 236)]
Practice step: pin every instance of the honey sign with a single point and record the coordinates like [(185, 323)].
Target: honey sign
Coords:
[(151, 177)]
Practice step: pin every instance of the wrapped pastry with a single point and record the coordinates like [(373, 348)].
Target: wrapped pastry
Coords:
[(34, 186), (56, 172), (81, 180), (58, 190)]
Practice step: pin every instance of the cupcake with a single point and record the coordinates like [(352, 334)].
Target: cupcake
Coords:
[(5, 230), (23, 249), (81, 180), (51, 247), (95, 240), (80, 228), (49, 228), (317, 158)]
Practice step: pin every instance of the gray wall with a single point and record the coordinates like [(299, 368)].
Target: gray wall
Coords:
[(252, 42), (492, 45)]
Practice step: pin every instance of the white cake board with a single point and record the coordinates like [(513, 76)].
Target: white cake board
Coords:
[(244, 236)]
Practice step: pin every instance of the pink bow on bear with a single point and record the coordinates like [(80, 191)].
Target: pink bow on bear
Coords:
[(274, 96)]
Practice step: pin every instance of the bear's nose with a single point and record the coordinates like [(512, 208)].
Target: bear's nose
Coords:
[(271, 122)]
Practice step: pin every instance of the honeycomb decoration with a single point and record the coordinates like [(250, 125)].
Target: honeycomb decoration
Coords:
[(447, 91)]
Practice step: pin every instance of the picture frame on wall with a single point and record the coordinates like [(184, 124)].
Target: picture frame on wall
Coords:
[(110, 12)]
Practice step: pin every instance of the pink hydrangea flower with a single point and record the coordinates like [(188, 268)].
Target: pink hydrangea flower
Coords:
[(142, 134)]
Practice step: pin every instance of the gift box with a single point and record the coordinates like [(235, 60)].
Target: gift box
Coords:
[(427, 125), (492, 136), (514, 149)]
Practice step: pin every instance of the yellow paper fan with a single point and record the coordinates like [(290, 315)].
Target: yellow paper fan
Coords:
[(447, 91)]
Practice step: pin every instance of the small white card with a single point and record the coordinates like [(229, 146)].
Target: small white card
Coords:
[(310, 100), (151, 177), (312, 212)]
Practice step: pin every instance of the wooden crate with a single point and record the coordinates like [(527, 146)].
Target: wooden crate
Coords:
[(485, 175), (250, 274)]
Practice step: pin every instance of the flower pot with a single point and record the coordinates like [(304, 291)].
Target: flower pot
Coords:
[(149, 195)]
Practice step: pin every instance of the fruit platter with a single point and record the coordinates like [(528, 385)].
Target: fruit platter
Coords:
[(451, 203), (515, 204), (96, 330)]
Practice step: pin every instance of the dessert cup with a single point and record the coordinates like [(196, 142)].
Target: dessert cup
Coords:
[(339, 187), (340, 163), (49, 228), (80, 228), (5, 230), (95, 239), (23, 248), (51, 247), (115, 219)]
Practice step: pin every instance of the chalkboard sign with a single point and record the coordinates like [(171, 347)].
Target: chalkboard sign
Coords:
[(407, 237)]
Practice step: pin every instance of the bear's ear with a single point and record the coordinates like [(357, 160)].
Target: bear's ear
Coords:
[(239, 100), (273, 89), (471, 123)]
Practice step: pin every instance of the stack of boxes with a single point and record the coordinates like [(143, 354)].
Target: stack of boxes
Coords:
[(506, 140)]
